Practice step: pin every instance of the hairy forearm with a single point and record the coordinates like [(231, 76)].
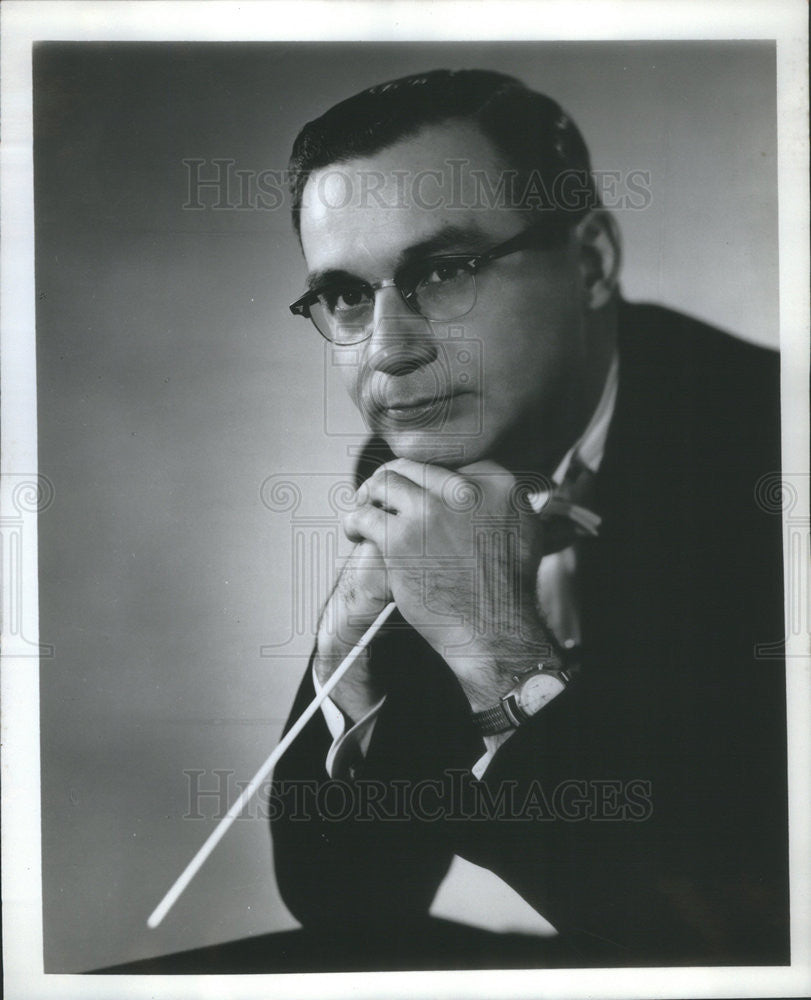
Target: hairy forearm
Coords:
[(356, 693), (488, 672)]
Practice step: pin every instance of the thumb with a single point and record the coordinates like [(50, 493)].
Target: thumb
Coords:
[(369, 571)]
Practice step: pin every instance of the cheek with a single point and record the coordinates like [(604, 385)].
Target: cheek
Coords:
[(524, 345), (348, 365), (532, 350)]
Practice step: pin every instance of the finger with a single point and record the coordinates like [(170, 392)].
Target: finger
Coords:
[(456, 493), (433, 478), (484, 468), (366, 523), (497, 483), (366, 556), (394, 493), (367, 567)]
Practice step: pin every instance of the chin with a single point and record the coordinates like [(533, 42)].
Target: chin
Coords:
[(441, 449)]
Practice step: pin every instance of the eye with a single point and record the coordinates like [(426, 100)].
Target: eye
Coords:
[(441, 272), (347, 299)]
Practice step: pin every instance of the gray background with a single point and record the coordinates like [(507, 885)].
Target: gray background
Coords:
[(172, 382)]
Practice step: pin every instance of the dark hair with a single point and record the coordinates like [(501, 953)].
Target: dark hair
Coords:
[(531, 131)]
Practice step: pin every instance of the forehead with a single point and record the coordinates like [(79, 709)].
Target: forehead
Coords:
[(362, 215)]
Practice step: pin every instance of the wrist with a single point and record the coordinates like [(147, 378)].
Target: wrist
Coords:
[(491, 669), (357, 692), (339, 630), (533, 689), (481, 677)]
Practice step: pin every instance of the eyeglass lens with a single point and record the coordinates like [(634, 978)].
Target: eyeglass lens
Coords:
[(442, 292)]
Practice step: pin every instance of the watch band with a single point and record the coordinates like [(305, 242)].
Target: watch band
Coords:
[(493, 720)]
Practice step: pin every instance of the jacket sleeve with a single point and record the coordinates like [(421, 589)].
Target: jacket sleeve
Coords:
[(646, 823), (353, 850)]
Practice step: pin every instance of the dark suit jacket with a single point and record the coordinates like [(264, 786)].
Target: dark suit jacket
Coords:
[(674, 851)]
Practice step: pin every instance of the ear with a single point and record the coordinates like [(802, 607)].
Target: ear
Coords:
[(599, 252)]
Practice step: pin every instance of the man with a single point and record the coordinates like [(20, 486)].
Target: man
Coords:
[(558, 494)]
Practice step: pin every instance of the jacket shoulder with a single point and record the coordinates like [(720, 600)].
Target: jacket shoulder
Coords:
[(701, 382), (683, 343)]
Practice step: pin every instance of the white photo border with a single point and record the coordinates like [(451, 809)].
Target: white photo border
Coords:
[(24, 23)]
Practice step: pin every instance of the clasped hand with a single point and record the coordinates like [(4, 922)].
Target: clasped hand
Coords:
[(458, 551)]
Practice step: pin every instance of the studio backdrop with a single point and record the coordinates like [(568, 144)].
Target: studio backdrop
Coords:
[(196, 438)]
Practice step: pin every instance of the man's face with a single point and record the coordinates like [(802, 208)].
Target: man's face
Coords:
[(503, 382)]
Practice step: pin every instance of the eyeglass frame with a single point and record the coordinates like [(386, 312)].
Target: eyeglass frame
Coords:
[(534, 237)]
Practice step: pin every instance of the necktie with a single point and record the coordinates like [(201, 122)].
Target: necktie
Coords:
[(564, 508), (566, 520)]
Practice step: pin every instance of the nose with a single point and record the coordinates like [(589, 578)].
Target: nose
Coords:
[(401, 341)]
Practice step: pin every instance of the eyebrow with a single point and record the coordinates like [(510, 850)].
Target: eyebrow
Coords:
[(450, 238)]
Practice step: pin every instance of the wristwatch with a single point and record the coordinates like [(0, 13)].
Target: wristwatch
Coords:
[(534, 688)]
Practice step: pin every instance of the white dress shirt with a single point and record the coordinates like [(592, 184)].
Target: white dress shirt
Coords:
[(555, 589)]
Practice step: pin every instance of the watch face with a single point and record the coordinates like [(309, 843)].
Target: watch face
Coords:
[(537, 690)]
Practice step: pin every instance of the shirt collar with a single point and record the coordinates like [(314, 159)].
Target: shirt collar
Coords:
[(590, 446)]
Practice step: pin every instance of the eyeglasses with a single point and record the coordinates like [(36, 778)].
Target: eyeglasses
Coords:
[(439, 288)]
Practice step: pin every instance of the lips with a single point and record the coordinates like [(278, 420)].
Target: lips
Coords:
[(411, 416), (409, 401), (403, 397), (414, 408), (416, 404)]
